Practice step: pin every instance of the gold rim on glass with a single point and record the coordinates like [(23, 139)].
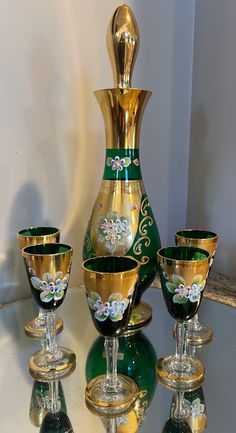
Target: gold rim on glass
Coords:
[(27, 254)]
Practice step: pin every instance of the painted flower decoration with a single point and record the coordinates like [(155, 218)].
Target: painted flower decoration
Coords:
[(136, 162), (113, 229), (183, 292), (195, 292), (113, 308), (118, 163), (52, 286), (197, 408)]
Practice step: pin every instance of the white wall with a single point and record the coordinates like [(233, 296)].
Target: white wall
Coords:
[(53, 56), (212, 168)]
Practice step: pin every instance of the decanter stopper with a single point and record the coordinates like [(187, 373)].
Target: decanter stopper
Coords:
[(123, 45)]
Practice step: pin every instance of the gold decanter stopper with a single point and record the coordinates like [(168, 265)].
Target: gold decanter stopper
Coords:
[(123, 45)]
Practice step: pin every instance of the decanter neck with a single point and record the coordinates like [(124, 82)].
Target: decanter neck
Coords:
[(122, 111)]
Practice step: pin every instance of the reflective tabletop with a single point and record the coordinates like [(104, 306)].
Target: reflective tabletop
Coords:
[(156, 340)]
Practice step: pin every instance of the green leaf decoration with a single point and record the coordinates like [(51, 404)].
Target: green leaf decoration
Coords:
[(57, 276), (177, 280), (109, 161), (47, 277), (36, 283), (116, 318), (171, 287), (178, 300), (58, 295), (113, 215), (126, 218), (100, 317), (101, 219), (66, 278), (197, 279), (115, 297), (94, 297), (127, 161), (46, 297), (91, 303)]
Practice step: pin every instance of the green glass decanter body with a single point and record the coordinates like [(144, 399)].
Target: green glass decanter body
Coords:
[(122, 222)]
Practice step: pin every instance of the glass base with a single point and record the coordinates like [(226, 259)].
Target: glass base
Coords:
[(200, 335), (182, 376), (36, 327), (113, 402), (141, 315), (44, 368)]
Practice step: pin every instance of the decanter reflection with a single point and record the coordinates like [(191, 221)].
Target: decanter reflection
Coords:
[(40, 401), (137, 359)]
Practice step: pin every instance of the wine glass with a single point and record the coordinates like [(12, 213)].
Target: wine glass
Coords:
[(48, 268), (198, 333), (32, 236), (183, 273), (136, 359), (110, 287)]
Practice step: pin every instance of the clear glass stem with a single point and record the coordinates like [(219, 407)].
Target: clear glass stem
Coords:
[(41, 317), (181, 330), (50, 334), (43, 344), (193, 324), (111, 349), (53, 387), (111, 426)]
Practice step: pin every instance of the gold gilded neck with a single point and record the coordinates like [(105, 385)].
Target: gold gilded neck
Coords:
[(123, 106), (122, 111)]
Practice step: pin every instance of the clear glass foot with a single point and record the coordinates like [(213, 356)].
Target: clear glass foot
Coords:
[(45, 367), (197, 333), (187, 374), (113, 401)]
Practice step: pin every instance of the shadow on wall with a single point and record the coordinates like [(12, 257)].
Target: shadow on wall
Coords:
[(27, 210), (90, 150), (62, 106), (64, 154)]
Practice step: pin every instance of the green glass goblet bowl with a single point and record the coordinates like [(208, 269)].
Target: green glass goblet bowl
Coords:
[(183, 273)]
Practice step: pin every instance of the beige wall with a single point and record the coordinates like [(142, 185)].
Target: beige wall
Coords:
[(212, 172), (53, 56)]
